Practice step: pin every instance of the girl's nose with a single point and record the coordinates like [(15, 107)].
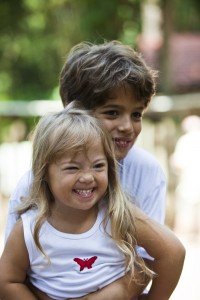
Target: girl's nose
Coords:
[(86, 177)]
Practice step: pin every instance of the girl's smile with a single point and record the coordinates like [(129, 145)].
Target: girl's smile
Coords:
[(79, 180)]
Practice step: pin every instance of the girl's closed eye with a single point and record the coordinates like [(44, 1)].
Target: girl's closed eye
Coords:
[(100, 166), (70, 168)]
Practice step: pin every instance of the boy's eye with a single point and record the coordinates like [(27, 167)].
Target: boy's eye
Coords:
[(137, 115), (112, 113)]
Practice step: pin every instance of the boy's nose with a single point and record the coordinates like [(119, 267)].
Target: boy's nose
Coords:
[(126, 124), (86, 177)]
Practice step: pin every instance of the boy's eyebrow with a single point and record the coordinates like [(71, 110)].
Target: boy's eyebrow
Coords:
[(118, 106)]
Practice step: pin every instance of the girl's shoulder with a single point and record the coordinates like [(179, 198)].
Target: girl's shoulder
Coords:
[(29, 217)]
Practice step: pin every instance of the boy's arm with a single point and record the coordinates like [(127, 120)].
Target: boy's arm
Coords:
[(13, 267), (121, 289), (168, 253)]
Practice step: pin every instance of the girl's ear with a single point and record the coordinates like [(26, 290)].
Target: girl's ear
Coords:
[(46, 177), (46, 174)]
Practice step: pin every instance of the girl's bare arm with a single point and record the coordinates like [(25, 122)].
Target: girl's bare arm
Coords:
[(14, 263), (168, 252)]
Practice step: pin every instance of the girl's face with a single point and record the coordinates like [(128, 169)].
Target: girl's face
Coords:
[(78, 181), (122, 116)]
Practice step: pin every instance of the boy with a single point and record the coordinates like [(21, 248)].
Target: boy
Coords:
[(116, 85)]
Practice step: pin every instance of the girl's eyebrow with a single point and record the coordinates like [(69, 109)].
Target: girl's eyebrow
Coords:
[(65, 162), (100, 159)]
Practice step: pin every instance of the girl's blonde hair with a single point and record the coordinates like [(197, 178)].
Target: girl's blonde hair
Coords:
[(68, 131)]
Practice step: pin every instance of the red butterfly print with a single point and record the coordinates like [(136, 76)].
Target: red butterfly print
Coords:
[(85, 263)]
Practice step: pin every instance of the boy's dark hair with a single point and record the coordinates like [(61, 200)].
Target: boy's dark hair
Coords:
[(92, 71)]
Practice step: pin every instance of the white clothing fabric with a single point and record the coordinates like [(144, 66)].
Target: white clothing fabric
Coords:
[(79, 263), (141, 177), (15, 160)]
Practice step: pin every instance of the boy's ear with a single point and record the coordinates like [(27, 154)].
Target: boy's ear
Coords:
[(75, 104), (93, 113)]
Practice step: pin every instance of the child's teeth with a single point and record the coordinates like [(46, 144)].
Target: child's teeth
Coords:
[(84, 192)]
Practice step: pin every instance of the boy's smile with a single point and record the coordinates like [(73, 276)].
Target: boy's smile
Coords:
[(122, 116)]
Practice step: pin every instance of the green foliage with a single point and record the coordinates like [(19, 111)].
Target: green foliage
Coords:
[(36, 35), (108, 20), (33, 38), (187, 15)]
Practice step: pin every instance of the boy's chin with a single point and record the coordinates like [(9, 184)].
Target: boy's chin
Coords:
[(121, 154)]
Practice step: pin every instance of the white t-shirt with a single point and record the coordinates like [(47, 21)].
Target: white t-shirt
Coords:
[(79, 263), (141, 177)]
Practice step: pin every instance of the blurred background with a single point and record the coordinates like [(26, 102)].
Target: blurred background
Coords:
[(35, 37)]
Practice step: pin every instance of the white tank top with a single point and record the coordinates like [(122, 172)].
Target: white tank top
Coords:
[(80, 263)]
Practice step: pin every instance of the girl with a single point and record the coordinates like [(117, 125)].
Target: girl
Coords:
[(78, 232)]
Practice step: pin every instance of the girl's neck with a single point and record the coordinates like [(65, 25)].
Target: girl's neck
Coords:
[(73, 221)]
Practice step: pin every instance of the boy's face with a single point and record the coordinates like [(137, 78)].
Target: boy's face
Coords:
[(122, 116)]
